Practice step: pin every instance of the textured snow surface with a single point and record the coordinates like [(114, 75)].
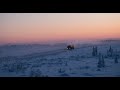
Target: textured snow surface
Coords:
[(56, 61)]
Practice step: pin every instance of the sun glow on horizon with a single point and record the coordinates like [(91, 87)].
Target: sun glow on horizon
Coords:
[(43, 27)]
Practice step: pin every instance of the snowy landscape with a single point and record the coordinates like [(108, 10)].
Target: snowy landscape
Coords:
[(85, 60)]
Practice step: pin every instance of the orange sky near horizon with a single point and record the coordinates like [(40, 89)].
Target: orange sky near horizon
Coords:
[(40, 27)]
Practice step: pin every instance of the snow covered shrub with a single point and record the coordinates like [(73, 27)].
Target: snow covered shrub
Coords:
[(14, 67), (61, 70), (82, 56), (35, 73), (66, 64), (77, 58), (87, 67), (64, 75)]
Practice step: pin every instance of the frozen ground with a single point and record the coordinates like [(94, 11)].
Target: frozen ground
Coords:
[(56, 61)]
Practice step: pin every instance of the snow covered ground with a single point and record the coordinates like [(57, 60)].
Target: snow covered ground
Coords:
[(56, 61)]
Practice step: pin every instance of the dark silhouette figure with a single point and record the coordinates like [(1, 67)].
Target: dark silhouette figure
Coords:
[(69, 47)]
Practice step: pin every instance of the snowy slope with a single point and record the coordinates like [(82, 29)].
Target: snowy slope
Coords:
[(20, 50), (56, 61)]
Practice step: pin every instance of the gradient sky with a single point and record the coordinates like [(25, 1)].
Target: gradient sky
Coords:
[(43, 27)]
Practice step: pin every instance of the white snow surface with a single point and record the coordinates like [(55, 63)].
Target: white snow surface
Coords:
[(57, 61)]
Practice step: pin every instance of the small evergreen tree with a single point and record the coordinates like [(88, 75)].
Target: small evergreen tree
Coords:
[(116, 58), (101, 62), (94, 51), (107, 52), (110, 52), (110, 49)]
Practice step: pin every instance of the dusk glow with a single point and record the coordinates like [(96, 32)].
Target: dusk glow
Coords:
[(45, 27)]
